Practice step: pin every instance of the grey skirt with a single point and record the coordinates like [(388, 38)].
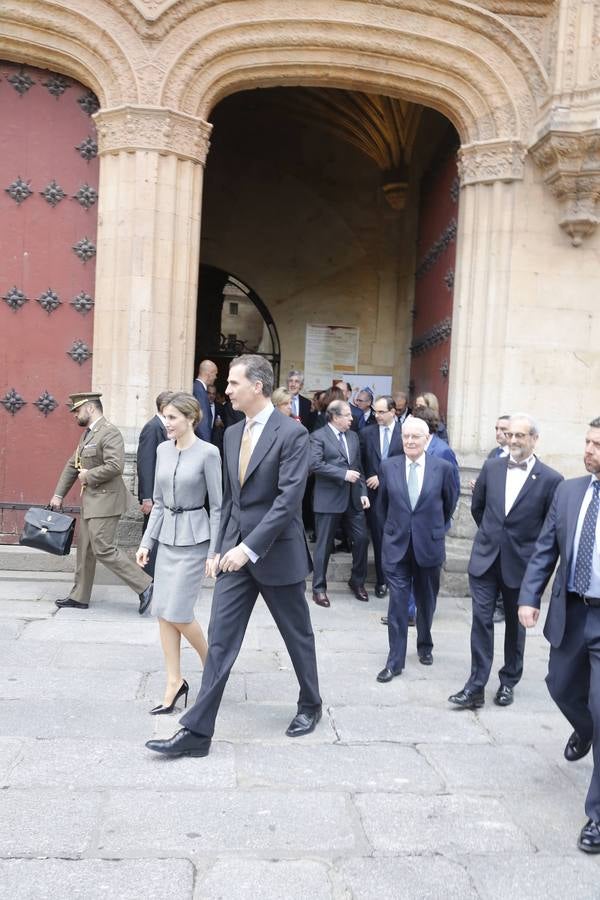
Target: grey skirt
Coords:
[(178, 578)]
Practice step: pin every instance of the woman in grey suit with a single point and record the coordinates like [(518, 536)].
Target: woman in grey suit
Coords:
[(187, 468)]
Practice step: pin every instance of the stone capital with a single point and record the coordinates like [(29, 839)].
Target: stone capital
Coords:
[(570, 165), (487, 161), (130, 128)]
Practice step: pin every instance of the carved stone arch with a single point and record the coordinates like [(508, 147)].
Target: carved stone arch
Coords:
[(73, 43), (463, 61)]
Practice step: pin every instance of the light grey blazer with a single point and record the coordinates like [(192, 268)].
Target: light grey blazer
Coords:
[(182, 480)]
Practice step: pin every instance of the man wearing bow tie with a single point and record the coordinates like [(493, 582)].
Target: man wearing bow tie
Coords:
[(510, 500)]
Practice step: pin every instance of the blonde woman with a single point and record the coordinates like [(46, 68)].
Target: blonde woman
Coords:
[(282, 400), (187, 469), (430, 401)]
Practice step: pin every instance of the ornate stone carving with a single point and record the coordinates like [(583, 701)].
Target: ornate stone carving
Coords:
[(53, 193), (49, 300), (153, 128), (449, 280), (570, 164), (46, 403), (15, 298), (12, 401), (19, 190), (79, 352), (83, 303), (89, 103), (84, 249), (489, 161)]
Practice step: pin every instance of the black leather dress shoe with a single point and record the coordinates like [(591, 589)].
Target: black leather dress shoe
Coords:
[(576, 748), (426, 659), (183, 743), (386, 675), (412, 621), (304, 723), (381, 590), (145, 599), (467, 699), (384, 620), (68, 602), (359, 591), (321, 598), (504, 696), (589, 838)]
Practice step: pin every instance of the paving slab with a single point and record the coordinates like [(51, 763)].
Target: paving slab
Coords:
[(26, 653), (68, 718), (10, 627), (47, 822), (253, 879), (405, 725), (255, 823), (27, 609), (67, 625), (154, 685), (10, 750), (96, 879), (105, 657), (551, 877), (407, 878), (21, 683)]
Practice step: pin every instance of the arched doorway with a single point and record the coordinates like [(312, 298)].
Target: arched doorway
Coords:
[(231, 320)]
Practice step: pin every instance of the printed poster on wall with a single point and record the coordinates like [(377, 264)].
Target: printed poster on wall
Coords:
[(330, 351)]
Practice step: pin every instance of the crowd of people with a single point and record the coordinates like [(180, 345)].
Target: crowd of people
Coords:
[(237, 490)]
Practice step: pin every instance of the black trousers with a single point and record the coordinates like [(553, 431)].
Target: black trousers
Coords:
[(149, 567), (574, 683), (402, 578), (484, 591), (233, 601), (355, 526), (375, 524)]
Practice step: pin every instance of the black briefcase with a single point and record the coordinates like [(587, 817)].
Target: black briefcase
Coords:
[(48, 530)]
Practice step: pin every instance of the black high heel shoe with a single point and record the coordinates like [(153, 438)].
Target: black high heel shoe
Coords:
[(161, 710)]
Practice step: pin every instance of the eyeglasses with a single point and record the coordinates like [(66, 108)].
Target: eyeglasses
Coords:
[(519, 435)]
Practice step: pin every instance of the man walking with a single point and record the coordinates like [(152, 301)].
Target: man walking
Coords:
[(510, 501), (261, 548), (571, 532), (98, 464)]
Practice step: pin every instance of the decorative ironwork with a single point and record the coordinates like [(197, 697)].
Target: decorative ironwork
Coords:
[(82, 303), (437, 335), (46, 403), (445, 368), (15, 298), (84, 249), (86, 196), (53, 193), (19, 190), (88, 148), (21, 82), (455, 189), (89, 103), (56, 85), (438, 247), (49, 300), (449, 279), (79, 352), (12, 401)]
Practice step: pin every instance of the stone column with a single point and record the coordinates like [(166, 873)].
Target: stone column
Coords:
[(151, 172), (490, 174)]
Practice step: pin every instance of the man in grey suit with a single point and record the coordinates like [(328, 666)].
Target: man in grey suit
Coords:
[(340, 496), (261, 548), (571, 532)]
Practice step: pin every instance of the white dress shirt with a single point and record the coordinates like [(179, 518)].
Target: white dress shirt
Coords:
[(515, 479), (382, 430), (344, 441), (594, 588), (258, 423), (421, 462), (295, 405)]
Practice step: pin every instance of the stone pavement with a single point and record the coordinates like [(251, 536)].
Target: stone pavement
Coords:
[(395, 795)]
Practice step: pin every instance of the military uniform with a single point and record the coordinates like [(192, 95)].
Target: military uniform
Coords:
[(101, 452)]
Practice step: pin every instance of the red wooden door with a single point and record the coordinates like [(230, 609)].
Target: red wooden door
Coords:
[(48, 194)]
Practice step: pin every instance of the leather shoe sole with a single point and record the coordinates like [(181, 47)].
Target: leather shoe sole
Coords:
[(303, 723), (467, 699), (321, 598), (504, 696), (426, 659), (589, 838), (386, 675), (576, 748), (183, 743), (67, 602), (359, 591)]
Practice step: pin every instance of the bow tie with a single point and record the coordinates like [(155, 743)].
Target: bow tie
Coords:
[(514, 465)]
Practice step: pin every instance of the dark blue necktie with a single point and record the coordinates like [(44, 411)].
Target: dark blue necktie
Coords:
[(585, 551), (342, 445)]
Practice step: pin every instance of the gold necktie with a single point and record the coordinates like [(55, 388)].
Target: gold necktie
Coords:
[(245, 450)]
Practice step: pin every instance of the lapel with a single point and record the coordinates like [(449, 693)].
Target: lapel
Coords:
[(428, 474), (268, 435), (573, 507), (374, 436), (93, 434), (533, 476), (335, 443), (232, 450), (400, 470)]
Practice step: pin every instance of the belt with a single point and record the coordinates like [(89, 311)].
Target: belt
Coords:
[(583, 598), (180, 509)]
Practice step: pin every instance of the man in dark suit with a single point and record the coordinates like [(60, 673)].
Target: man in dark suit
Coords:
[(571, 532), (300, 404), (377, 444), (402, 408), (510, 500), (364, 403), (207, 375), (261, 548), (417, 498), (501, 440), (216, 418), (340, 497), (152, 434)]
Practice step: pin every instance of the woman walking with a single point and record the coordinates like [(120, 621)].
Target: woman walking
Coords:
[(187, 469)]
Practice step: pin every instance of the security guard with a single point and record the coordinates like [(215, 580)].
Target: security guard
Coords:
[(98, 463)]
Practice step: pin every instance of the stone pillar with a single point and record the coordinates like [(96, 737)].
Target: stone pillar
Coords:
[(151, 172), (489, 175)]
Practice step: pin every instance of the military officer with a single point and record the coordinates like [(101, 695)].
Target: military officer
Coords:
[(98, 464)]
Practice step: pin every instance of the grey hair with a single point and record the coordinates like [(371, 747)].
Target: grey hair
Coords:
[(412, 421), (336, 408), (296, 373), (533, 426), (595, 423), (257, 369)]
